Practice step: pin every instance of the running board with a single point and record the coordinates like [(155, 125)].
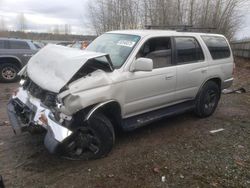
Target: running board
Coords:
[(149, 117)]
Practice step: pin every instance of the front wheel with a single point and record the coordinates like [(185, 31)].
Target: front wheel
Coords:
[(91, 140), (207, 100)]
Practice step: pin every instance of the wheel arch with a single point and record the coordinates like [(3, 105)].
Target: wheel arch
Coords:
[(11, 59), (111, 109), (216, 80)]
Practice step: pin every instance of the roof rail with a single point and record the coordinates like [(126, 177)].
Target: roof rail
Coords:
[(181, 28)]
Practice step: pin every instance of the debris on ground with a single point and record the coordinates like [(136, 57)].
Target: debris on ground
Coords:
[(111, 175), (156, 170), (216, 131), (163, 179), (241, 147), (5, 123), (230, 91)]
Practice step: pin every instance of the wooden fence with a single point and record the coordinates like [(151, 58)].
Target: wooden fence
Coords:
[(241, 48)]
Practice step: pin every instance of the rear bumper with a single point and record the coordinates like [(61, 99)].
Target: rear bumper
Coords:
[(25, 111)]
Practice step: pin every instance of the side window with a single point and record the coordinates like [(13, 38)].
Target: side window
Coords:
[(217, 46), (1, 44), (18, 45), (188, 50), (159, 50)]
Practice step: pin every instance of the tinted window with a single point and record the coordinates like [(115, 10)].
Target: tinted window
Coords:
[(188, 50), (159, 50), (217, 46), (1, 44), (18, 45)]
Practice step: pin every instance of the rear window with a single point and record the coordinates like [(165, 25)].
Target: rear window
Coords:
[(1, 44), (18, 45), (217, 46)]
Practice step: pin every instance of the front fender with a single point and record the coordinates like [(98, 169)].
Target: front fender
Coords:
[(78, 101)]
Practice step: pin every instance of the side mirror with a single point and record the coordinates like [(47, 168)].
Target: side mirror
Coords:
[(142, 64)]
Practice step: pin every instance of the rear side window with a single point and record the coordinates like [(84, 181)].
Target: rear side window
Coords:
[(1, 44), (188, 50), (217, 46), (18, 45)]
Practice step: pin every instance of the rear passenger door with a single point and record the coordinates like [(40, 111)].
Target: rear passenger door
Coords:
[(191, 67), (3, 47)]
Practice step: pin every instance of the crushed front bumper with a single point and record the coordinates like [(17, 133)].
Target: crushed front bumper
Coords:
[(24, 110)]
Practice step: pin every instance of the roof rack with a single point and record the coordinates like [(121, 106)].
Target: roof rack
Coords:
[(181, 28)]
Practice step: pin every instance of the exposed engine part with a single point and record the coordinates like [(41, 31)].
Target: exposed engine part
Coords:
[(91, 66), (47, 98)]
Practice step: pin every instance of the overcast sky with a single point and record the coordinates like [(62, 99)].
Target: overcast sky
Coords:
[(42, 16)]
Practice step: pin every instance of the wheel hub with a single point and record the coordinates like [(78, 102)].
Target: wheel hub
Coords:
[(84, 141), (210, 100), (9, 73)]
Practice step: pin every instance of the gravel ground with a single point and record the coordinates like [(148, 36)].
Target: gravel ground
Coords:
[(180, 148)]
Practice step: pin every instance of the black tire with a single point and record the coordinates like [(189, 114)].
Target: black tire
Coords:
[(207, 100), (92, 140), (9, 73)]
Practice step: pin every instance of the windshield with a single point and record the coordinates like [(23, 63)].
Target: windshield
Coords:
[(118, 46)]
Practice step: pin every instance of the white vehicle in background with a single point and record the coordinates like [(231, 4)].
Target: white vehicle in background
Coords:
[(123, 80)]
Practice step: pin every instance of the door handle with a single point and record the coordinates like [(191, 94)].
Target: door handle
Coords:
[(168, 77), (204, 71), (27, 55)]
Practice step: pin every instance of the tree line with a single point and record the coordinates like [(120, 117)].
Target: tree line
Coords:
[(22, 24), (222, 15)]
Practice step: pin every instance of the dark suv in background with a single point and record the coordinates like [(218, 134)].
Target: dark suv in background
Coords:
[(14, 54)]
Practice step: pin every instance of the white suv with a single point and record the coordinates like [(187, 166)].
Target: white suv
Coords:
[(124, 79)]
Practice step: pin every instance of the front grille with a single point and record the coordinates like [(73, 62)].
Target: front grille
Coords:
[(48, 98)]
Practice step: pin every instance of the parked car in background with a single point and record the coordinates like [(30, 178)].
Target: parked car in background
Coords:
[(65, 43), (38, 44), (14, 54)]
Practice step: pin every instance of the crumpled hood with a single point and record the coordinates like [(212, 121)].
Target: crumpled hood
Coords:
[(53, 66)]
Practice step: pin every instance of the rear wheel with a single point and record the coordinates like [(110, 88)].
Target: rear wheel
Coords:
[(8, 72), (91, 141), (207, 100)]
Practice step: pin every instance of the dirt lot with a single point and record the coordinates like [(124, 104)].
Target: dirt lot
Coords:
[(180, 148)]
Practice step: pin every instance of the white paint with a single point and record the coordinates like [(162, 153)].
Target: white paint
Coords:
[(216, 131), (126, 43)]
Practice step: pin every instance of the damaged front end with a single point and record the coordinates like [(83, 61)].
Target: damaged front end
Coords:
[(28, 113), (36, 105)]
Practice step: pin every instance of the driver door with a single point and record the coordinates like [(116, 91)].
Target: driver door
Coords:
[(147, 91)]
